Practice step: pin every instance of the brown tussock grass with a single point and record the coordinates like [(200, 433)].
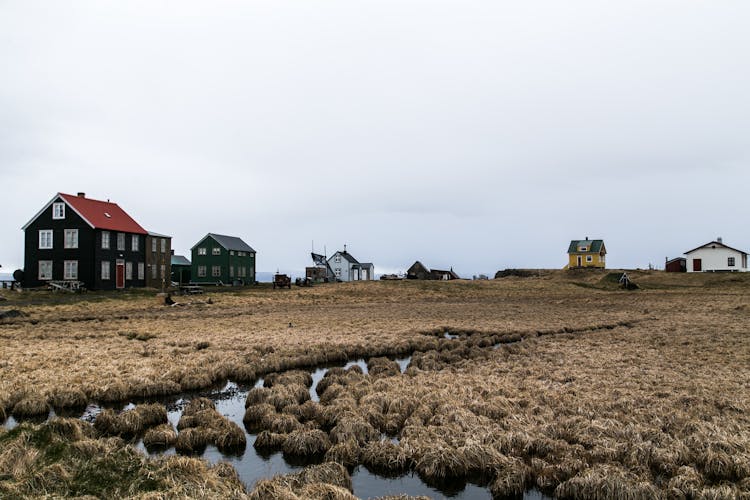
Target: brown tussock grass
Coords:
[(596, 376)]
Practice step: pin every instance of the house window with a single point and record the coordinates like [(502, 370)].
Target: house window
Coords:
[(337, 259), (163, 269), (71, 238), (231, 252), (134, 243), (141, 270), (201, 271), (589, 258), (58, 210), (70, 270), (45, 269), (730, 261), (154, 271), (215, 271), (338, 272), (128, 270), (241, 271), (105, 240), (163, 245), (583, 249), (121, 241), (240, 254), (105, 269), (45, 239), (216, 251), (202, 251), (231, 271)]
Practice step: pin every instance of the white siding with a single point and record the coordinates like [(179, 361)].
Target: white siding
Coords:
[(715, 259)]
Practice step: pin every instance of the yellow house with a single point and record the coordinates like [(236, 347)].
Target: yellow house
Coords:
[(586, 253)]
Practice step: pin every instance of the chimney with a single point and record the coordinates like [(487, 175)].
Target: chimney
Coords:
[(719, 239), (81, 194), (587, 238)]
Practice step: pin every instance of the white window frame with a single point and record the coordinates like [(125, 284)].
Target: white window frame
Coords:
[(141, 271), (163, 245), (731, 262), (589, 258), (46, 239), (231, 271), (337, 259), (153, 245), (120, 241), (106, 270), (128, 271), (201, 250), (337, 272), (58, 210), (201, 271), (163, 271), (71, 238), (45, 265), (215, 271), (134, 243), (70, 270), (216, 251), (105, 240)]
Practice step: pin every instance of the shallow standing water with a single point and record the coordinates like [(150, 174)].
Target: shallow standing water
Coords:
[(252, 465)]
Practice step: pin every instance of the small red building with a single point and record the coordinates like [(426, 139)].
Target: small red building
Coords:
[(676, 265)]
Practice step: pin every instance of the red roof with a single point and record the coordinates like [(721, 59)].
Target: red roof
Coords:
[(103, 214)]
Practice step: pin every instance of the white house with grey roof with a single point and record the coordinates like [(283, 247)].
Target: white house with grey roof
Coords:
[(347, 268), (715, 256)]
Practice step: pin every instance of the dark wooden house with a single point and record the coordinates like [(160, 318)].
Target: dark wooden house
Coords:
[(158, 260), (418, 271), (77, 239), (220, 259)]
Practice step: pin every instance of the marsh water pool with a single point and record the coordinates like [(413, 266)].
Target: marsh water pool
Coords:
[(252, 465)]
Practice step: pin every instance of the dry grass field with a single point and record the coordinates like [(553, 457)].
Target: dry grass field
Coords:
[(592, 392)]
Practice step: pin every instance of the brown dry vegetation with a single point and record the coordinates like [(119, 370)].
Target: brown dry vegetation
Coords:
[(610, 393)]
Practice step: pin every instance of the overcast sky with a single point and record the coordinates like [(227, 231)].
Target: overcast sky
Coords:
[(474, 134)]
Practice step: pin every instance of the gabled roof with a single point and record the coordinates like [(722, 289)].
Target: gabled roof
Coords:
[(347, 256), (157, 235), (180, 260), (228, 242), (97, 214), (441, 272), (715, 243), (596, 246)]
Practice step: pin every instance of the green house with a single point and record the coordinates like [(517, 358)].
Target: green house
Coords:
[(220, 259)]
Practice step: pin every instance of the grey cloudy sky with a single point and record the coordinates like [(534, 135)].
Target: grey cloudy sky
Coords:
[(477, 134)]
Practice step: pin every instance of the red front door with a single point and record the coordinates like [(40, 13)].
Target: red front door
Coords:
[(120, 274), (697, 265)]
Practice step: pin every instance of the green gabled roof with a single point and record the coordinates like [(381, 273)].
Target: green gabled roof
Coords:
[(595, 246)]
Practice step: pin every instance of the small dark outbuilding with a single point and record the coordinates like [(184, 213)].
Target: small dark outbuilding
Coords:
[(676, 265)]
